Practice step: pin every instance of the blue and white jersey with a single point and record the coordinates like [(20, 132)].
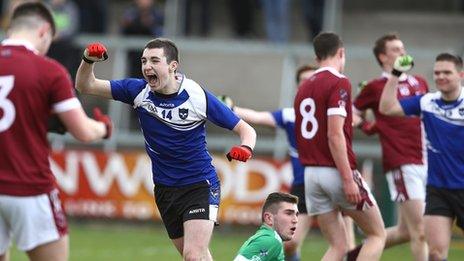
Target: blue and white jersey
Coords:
[(444, 129), (285, 119), (174, 128)]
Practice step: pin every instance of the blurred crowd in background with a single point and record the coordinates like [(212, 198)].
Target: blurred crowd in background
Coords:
[(275, 21), (146, 18)]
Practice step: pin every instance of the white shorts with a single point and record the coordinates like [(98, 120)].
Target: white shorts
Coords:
[(32, 220), (407, 182), (324, 191)]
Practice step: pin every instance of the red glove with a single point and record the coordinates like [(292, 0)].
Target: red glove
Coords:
[(105, 119), (369, 127), (95, 52), (241, 153)]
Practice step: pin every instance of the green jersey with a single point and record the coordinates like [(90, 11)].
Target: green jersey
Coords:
[(264, 245)]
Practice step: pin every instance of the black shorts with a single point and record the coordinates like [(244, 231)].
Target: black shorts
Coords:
[(179, 204), (299, 191), (445, 202)]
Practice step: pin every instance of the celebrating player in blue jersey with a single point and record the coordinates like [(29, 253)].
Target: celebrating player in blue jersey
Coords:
[(442, 114), (172, 112)]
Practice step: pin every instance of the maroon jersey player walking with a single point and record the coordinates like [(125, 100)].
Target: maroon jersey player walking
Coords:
[(31, 88), (324, 133)]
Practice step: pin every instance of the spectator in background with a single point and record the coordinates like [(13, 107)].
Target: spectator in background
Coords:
[(242, 14), (276, 18), (197, 12), (66, 17), (313, 11), (94, 16), (143, 18)]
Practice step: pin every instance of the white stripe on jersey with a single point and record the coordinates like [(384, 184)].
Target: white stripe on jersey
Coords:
[(337, 111), (195, 106), (66, 105), (288, 115), (453, 115)]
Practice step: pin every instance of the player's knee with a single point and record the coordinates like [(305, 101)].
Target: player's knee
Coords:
[(418, 236)]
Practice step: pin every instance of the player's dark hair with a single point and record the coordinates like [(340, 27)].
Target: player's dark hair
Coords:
[(304, 68), (24, 11), (271, 204), (326, 44), (169, 47), (456, 59), (381, 45)]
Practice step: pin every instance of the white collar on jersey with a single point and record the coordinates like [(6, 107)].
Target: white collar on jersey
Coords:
[(332, 70), (402, 77), (19, 42)]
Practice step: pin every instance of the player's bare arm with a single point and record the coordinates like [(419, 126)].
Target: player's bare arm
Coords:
[(337, 146), (389, 104), (247, 134), (255, 117), (249, 115), (86, 82), (82, 127)]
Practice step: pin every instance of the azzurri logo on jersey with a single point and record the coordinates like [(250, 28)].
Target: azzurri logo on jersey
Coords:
[(183, 113)]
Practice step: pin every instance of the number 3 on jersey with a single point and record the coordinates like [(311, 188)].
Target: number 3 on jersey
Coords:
[(308, 117), (9, 112)]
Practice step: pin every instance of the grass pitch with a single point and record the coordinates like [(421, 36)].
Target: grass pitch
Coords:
[(116, 241)]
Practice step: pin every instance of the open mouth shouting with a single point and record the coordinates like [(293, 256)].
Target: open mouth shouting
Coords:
[(293, 230), (151, 78)]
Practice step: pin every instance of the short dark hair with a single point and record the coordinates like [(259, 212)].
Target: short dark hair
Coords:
[(326, 44), (304, 68), (25, 10), (274, 199), (456, 59), (381, 45), (169, 48)]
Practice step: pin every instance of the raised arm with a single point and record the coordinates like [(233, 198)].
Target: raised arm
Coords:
[(86, 82), (389, 104)]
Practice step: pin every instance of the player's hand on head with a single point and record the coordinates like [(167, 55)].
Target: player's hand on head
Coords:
[(402, 64), (240, 153), (105, 119), (227, 101), (95, 52)]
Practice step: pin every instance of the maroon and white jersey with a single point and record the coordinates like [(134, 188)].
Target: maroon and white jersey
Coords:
[(31, 88), (401, 137), (326, 93)]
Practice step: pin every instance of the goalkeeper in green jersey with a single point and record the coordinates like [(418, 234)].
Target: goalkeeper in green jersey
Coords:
[(280, 217)]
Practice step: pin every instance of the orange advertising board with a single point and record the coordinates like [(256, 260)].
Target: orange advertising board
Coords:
[(119, 185)]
